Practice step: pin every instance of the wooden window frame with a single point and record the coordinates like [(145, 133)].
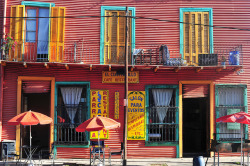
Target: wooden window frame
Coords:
[(182, 11), (102, 29)]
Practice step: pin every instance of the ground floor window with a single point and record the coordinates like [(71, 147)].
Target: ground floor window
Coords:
[(162, 113), (72, 110), (229, 99)]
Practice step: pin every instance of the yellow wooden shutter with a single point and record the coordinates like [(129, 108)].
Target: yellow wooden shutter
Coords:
[(57, 34), (114, 37), (106, 38), (16, 31), (196, 37)]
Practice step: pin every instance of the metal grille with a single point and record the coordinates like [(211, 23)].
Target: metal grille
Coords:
[(162, 132), (229, 99), (66, 133)]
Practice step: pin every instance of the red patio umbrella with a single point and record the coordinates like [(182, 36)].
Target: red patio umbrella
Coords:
[(30, 118), (96, 124), (239, 117)]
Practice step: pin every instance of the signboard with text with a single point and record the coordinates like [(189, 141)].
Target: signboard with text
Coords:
[(116, 116), (99, 106), (114, 77), (136, 115)]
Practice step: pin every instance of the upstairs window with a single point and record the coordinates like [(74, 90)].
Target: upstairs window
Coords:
[(196, 33), (38, 39), (113, 30)]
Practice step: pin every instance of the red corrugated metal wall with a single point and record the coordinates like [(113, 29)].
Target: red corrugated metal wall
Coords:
[(136, 149), (148, 33), (1, 17)]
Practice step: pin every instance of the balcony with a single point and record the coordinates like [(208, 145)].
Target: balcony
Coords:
[(144, 55)]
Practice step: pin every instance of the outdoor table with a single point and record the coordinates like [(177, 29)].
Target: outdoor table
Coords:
[(27, 151)]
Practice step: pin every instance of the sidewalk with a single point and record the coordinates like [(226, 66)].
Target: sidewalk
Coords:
[(224, 161)]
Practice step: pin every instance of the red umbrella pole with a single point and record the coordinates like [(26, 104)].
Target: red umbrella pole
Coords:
[(30, 144)]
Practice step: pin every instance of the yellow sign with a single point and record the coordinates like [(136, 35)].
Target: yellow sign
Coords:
[(136, 115), (99, 106), (117, 105), (113, 77)]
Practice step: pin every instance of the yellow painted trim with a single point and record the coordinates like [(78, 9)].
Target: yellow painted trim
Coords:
[(52, 99), (212, 118), (180, 121), (19, 94)]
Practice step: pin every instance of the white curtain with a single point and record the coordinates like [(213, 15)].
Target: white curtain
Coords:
[(229, 97), (71, 95), (162, 98)]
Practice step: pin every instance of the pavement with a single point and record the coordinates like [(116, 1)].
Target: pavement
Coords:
[(224, 161)]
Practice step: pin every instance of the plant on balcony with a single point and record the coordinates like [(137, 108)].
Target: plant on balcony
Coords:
[(8, 44)]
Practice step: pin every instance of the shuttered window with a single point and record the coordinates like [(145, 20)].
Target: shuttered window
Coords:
[(114, 37), (21, 35), (195, 36), (16, 31), (57, 34)]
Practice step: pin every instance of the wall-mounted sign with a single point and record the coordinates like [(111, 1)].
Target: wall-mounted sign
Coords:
[(233, 126), (136, 115), (99, 106), (116, 105), (113, 77)]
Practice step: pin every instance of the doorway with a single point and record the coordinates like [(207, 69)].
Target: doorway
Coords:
[(195, 126), (38, 102)]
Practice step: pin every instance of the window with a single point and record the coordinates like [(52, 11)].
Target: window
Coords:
[(71, 111), (195, 39), (38, 39), (229, 99), (113, 29), (162, 110)]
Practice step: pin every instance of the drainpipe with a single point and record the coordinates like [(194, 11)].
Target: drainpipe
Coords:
[(4, 17)]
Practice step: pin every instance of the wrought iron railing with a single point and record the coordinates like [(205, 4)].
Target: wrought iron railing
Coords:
[(165, 131), (145, 54), (66, 124)]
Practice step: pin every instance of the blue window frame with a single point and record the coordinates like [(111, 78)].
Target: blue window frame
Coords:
[(230, 99), (102, 33), (162, 130)]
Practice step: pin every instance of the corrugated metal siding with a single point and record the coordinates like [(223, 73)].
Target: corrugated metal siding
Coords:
[(1, 16), (36, 86), (195, 91), (149, 33), (136, 149)]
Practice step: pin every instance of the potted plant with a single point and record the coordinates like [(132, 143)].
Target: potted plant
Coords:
[(8, 44), (223, 60)]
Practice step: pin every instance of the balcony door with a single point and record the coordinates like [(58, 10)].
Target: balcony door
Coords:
[(196, 36), (36, 34), (115, 29)]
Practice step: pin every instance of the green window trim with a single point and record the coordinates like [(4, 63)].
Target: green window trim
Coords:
[(210, 10), (37, 4), (103, 9), (176, 87), (217, 86), (55, 113)]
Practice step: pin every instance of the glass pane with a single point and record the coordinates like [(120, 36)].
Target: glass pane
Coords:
[(30, 36)]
